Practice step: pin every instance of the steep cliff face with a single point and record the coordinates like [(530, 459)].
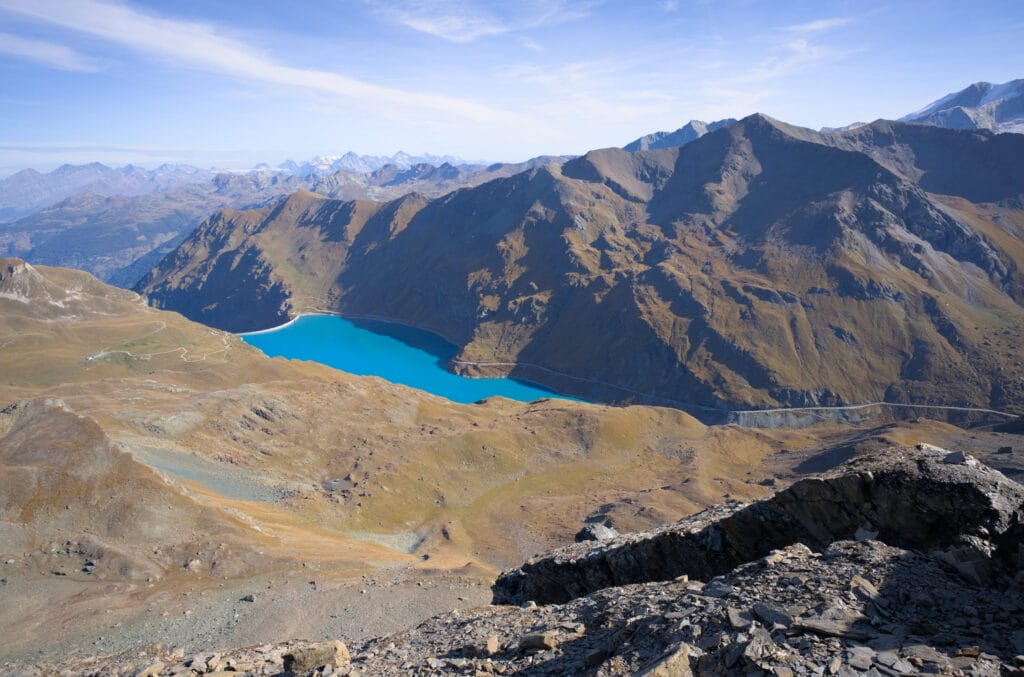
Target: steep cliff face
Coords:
[(759, 265)]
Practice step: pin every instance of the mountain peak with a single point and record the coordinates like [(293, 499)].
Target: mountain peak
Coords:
[(694, 129), (350, 161), (19, 281), (299, 200), (760, 120), (767, 124), (11, 266), (981, 105)]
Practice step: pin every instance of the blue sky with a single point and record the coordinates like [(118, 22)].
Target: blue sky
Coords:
[(236, 82)]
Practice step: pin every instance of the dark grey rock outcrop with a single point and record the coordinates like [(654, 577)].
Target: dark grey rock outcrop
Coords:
[(925, 499)]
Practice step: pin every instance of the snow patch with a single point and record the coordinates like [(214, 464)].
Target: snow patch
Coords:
[(13, 296), (1007, 90)]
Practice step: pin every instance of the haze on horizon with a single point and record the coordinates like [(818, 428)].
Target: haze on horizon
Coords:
[(238, 83)]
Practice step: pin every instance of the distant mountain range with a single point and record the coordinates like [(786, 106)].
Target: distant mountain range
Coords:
[(119, 237), (983, 105), (28, 190), (759, 265), (364, 164)]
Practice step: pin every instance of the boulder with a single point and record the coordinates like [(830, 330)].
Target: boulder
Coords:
[(596, 532), (539, 641), (334, 654), (674, 663)]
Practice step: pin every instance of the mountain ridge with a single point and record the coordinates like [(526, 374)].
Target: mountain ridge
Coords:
[(694, 129), (350, 161), (28, 190)]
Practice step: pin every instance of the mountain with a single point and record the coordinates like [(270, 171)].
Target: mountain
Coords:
[(29, 190), (976, 165), (760, 265), (118, 223), (694, 129), (391, 181), (982, 105)]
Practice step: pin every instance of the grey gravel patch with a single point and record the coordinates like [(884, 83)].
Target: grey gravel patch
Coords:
[(233, 483)]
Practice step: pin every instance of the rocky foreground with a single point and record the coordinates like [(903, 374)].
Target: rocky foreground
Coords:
[(909, 562)]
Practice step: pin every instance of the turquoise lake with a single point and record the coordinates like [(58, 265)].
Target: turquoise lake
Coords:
[(393, 352)]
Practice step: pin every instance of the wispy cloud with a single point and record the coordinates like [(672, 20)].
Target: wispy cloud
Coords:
[(819, 25), (463, 21), (529, 44), (203, 46), (455, 22), (609, 91), (750, 86), (796, 56), (790, 58), (47, 53)]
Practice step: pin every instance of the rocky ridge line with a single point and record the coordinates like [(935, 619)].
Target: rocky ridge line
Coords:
[(927, 499)]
